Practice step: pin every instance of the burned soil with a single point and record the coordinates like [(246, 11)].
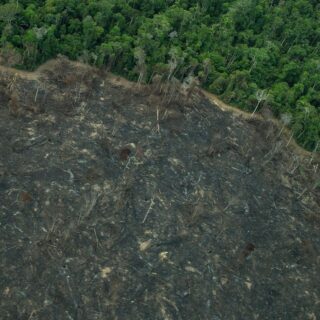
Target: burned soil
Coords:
[(122, 201)]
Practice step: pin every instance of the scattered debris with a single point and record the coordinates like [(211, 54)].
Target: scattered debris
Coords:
[(125, 203), (105, 272)]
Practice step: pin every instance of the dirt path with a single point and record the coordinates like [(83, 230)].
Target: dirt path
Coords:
[(22, 74)]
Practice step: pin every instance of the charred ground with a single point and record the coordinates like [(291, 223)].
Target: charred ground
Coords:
[(127, 202)]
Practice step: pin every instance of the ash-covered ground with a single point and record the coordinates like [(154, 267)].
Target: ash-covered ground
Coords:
[(122, 201)]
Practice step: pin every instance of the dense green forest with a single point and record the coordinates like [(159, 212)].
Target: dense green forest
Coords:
[(252, 53)]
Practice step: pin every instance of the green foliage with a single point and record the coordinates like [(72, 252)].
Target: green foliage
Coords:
[(237, 48), (8, 11)]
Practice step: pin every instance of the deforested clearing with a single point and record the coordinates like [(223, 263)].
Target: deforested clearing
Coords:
[(127, 201)]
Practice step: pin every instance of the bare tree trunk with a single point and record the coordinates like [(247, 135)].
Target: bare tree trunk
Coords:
[(255, 109), (261, 96)]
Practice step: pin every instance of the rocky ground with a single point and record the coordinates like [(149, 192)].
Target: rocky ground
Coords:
[(120, 201)]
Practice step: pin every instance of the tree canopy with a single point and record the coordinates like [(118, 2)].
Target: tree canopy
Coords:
[(236, 48)]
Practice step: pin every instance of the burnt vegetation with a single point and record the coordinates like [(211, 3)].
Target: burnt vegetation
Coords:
[(134, 201)]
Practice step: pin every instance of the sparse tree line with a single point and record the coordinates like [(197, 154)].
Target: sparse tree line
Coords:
[(252, 53)]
